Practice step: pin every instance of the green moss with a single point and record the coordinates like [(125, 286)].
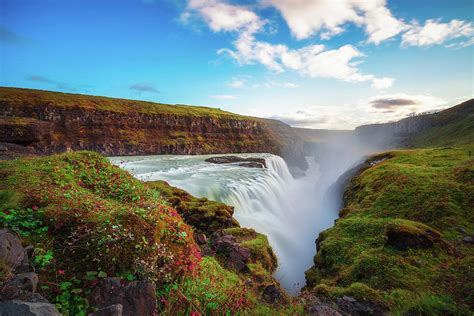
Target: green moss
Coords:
[(260, 249), (217, 291), (400, 222), (204, 215)]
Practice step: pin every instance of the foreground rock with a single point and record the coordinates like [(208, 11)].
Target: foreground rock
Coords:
[(18, 285), (20, 308), (112, 310), (343, 306), (245, 162), (12, 252), (136, 298), (236, 257)]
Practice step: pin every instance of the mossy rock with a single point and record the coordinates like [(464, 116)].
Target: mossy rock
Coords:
[(404, 235), (204, 215), (260, 249)]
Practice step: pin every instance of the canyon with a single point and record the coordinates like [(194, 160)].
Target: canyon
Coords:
[(379, 217)]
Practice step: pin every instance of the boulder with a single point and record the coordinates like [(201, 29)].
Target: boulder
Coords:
[(323, 309), (353, 307), (272, 294), (12, 252), (23, 281), (136, 297), (201, 238), (21, 308), (112, 310), (416, 236), (236, 257)]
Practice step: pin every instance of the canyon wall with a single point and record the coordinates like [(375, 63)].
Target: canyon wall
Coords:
[(51, 122), (405, 131)]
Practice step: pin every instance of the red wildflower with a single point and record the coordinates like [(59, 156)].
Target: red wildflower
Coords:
[(194, 313), (61, 272), (35, 208)]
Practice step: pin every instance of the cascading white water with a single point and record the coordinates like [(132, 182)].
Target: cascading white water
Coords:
[(267, 200)]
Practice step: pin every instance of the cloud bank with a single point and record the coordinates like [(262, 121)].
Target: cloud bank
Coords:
[(314, 61), (381, 108)]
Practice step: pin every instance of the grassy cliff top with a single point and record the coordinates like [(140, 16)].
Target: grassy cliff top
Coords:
[(403, 237), (31, 97)]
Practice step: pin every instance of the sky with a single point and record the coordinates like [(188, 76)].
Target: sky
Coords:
[(332, 64)]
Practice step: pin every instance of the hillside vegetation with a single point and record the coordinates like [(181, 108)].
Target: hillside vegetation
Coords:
[(89, 220), (29, 97), (403, 241), (454, 126)]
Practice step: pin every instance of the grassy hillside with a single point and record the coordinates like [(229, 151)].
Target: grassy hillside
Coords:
[(402, 241), (22, 97), (88, 219), (454, 126)]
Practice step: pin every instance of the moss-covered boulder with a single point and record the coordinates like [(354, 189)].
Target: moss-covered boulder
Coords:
[(260, 250), (204, 215)]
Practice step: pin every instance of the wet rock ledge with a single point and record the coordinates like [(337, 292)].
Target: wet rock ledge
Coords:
[(244, 162)]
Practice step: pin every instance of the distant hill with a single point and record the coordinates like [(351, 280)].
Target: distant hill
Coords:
[(453, 126), (52, 122)]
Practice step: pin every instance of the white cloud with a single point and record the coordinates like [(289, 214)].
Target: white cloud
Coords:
[(221, 16), (378, 109), (435, 32), (306, 18), (312, 60), (223, 97), (319, 117), (273, 84), (382, 83), (237, 82), (462, 44)]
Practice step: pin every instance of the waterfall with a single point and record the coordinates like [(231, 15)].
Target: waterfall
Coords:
[(268, 200)]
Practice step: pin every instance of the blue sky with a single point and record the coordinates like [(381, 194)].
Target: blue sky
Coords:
[(310, 63)]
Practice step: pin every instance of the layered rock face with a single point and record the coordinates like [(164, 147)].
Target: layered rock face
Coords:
[(50, 122)]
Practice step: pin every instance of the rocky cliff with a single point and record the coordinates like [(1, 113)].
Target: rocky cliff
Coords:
[(52, 122), (408, 130)]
